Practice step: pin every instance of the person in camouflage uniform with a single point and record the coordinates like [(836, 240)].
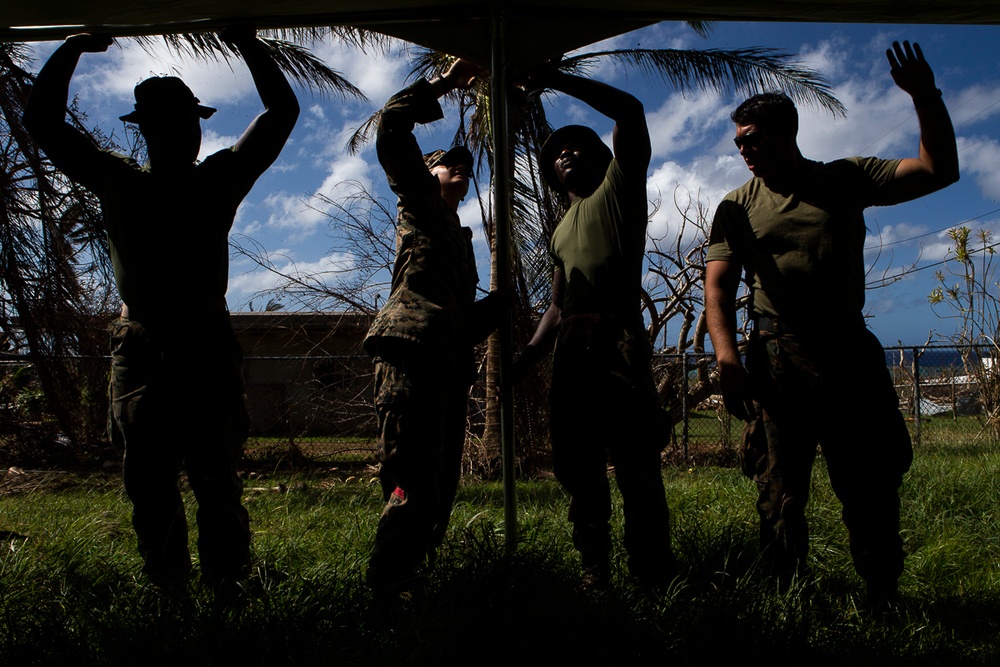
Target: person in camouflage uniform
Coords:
[(173, 347), (604, 403), (423, 338), (814, 373)]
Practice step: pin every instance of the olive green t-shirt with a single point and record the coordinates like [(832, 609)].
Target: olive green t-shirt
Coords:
[(803, 250), (600, 245)]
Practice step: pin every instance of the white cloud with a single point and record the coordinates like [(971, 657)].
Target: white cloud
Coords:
[(343, 171), (329, 269), (705, 180), (377, 77), (681, 122), (110, 78), (980, 157), (975, 104)]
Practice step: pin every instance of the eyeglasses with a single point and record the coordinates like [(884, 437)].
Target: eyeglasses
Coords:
[(750, 139)]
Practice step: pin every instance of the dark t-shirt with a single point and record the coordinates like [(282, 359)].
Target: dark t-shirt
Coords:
[(600, 245), (804, 251), (169, 233)]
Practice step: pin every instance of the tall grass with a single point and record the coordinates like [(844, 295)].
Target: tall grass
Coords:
[(70, 593)]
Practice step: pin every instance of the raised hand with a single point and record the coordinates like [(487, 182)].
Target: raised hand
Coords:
[(462, 73), (909, 69)]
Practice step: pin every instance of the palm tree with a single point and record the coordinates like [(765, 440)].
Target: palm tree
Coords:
[(536, 209)]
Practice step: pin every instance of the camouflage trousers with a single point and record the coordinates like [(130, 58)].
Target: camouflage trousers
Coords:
[(177, 403), (604, 407), (832, 391), (422, 409)]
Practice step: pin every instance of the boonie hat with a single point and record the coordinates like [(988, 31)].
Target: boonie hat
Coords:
[(164, 96)]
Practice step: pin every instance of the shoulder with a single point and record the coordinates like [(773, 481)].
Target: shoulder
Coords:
[(220, 158), (742, 195), (227, 165), (619, 185)]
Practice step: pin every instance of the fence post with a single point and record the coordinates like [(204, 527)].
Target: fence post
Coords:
[(684, 402), (916, 392)]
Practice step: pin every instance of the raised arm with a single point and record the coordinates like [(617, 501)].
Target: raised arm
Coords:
[(722, 279), (937, 164), (397, 148), (460, 75), (631, 136), (266, 135), (45, 112)]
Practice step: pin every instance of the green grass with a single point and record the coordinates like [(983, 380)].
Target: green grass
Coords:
[(70, 593)]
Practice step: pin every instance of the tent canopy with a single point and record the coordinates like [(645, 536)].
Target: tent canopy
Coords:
[(536, 30)]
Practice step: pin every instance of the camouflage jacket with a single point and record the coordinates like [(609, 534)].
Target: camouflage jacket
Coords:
[(432, 303)]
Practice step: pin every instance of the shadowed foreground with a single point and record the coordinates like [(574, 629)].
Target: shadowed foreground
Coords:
[(69, 593)]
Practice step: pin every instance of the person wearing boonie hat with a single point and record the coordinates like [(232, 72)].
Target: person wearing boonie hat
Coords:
[(423, 338), (176, 377), (604, 403)]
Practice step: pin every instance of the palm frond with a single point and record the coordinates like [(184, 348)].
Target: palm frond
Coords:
[(749, 71), (703, 28), (295, 60), (363, 134), (359, 38)]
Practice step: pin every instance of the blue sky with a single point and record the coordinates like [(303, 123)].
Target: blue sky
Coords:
[(692, 143)]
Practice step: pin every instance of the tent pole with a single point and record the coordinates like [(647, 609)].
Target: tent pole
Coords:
[(501, 183)]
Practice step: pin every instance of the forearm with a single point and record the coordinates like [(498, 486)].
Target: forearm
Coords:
[(45, 110), (720, 313), (938, 151), (631, 136), (69, 149), (609, 101), (397, 149), (541, 343), (272, 85), (544, 338)]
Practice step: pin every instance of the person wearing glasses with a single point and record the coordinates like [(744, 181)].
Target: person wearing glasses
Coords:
[(797, 229)]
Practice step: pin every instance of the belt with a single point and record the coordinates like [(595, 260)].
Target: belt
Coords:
[(780, 326), (141, 314)]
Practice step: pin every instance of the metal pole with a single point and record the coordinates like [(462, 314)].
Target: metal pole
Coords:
[(501, 190)]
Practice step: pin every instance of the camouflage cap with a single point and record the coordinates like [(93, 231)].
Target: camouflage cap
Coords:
[(454, 155), (161, 96)]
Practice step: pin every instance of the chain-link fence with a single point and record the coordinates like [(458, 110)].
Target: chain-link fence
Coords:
[(328, 411), (319, 408)]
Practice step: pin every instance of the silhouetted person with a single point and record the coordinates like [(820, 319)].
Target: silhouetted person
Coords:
[(176, 380), (604, 403), (423, 337), (815, 372)]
